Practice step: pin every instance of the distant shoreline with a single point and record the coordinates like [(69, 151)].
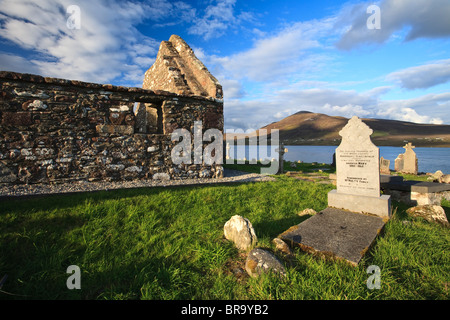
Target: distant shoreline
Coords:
[(378, 141), (328, 143), (334, 144)]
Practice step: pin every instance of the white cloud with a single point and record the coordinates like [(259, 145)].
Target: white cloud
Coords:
[(408, 114), (282, 103), (278, 57), (423, 76), (319, 97), (335, 102), (347, 110), (216, 20), (106, 46), (421, 18), (232, 88), (9, 62), (418, 109)]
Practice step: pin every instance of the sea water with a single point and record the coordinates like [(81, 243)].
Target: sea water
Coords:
[(429, 159)]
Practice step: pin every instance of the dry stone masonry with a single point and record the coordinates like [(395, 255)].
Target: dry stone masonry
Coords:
[(178, 70), (57, 130)]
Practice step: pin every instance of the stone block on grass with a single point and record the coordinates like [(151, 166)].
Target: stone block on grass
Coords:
[(432, 213), (262, 261), (240, 231)]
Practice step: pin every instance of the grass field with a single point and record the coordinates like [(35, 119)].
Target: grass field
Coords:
[(161, 243)]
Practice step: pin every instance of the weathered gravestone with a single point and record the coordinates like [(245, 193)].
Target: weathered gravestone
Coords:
[(281, 151), (358, 173), (410, 164), (384, 166), (399, 163), (356, 212), (407, 162)]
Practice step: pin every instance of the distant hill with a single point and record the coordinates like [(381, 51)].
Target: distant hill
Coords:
[(307, 128)]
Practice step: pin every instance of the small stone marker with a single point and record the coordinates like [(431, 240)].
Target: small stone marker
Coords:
[(228, 151), (281, 151), (307, 211), (437, 175), (432, 213), (399, 163), (358, 172), (240, 231), (282, 246), (384, 166), (260, 260), (444, 178)]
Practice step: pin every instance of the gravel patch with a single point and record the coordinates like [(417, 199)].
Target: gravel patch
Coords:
[(230, 176)]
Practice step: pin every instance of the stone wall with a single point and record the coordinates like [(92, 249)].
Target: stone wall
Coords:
[(56, 130)]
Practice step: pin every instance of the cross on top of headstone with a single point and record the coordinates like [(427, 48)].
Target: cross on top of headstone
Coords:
[(356, 131), (408, 146), (281, 150)]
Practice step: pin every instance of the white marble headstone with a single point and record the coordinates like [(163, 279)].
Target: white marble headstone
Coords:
[(357, 161)]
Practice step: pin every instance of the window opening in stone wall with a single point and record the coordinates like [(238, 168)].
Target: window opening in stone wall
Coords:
[(149, 118)]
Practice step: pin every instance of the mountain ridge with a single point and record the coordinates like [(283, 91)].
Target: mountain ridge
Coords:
[(309, 128)]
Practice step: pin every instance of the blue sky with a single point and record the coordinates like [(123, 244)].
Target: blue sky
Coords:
[(273, 58)]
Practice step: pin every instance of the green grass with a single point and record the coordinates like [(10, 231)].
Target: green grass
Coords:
[(413, 177), (161, 243), (303, 167)]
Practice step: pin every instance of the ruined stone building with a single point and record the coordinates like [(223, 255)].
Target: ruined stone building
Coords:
[(57, 130)]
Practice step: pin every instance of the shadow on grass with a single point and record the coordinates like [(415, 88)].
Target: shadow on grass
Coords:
[(152, 278), (62, 201), (399, 210), (273, 228), (447, 212), (34, 254)]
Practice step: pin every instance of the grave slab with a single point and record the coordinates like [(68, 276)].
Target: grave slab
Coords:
[(339, 233), (385, 178), (417, 192), (416, 186)]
